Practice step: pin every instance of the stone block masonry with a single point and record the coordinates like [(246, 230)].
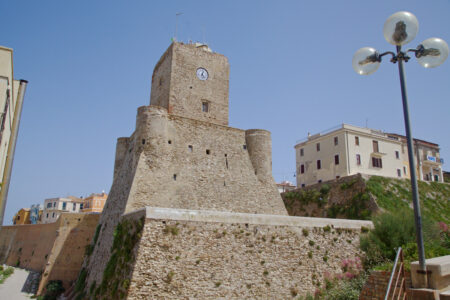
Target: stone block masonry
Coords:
[(55, 249), (209, 255)]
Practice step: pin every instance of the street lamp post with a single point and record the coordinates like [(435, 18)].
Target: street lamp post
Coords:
[(399, 29)]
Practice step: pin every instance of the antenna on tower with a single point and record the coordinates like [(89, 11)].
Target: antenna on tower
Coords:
[(203, 35), (176, 25)]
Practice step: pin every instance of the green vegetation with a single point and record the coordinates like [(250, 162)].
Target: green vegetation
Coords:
[(5, 273), (347, 185), (305, 232), (53, 289), (305, 197), (343, 289), (393, 194), (355, 209), (393, 230), (115, 281), (171, 229)]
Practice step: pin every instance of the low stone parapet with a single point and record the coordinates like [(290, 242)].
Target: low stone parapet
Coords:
[(180, 253)]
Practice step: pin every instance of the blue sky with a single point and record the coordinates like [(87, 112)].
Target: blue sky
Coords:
[(89, 65)]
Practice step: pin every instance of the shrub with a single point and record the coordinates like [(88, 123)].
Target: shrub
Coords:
[(325, 189), (393, 230), (53, 289), (345, 289), (305, 232)]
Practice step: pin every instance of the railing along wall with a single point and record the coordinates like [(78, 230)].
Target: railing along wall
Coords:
[(396, 289)]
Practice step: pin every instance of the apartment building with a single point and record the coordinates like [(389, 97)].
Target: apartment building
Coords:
[(94, 203), (55, 206), (427, 157), (346, 150), (22, 217), (11, 99)]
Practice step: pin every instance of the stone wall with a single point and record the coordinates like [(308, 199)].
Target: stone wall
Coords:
[(345, 198), (55, 249), (210, 255), (27, 246)]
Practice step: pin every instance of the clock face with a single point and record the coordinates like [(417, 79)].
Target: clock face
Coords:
[(202, 74)]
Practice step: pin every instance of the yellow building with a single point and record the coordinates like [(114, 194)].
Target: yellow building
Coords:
[(22, 217), (94, 203)]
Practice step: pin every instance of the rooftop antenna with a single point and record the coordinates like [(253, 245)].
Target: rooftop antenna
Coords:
[(176, 24), (203, 35)]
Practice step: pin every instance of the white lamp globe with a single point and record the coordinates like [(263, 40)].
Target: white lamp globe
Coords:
[(432, 52), (400, 28), (366, 61)]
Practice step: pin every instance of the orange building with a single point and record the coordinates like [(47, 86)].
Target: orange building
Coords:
[(22, 217), (94, 203)]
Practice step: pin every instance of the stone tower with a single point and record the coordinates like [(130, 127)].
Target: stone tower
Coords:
[(191, 81), (182, 153)]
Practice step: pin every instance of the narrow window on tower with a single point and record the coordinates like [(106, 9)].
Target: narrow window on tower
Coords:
[(302, 169), (358, 159), (336, 159), (319, 164), (318, 146), (205, 106), (357, 140), (336, 141), (302, 152)]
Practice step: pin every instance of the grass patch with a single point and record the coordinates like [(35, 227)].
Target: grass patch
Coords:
[(5, 273)]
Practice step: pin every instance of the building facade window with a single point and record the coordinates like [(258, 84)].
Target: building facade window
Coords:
[(336, 141), (375, 146), (64, 206), (376, 162), (49, 205), (397, 155), (399, 173), (302, 169), (357, 140), (53, 215), (47, 216), (404, 170), (302, 152), (81, 206), (358, 159), (74, 206), (318, 146), (54, 204), (319, 164), (336, 159)]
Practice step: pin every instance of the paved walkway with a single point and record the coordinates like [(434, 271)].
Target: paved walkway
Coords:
[(11, 288)]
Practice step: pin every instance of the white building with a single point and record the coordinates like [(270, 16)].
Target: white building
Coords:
[(348, 150), (55, 206), (285, 186)]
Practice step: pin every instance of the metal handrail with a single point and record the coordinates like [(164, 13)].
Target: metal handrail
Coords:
[(401, 273)]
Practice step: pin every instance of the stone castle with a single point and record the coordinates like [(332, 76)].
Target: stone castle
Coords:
[(193, 211), (184, 164)]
